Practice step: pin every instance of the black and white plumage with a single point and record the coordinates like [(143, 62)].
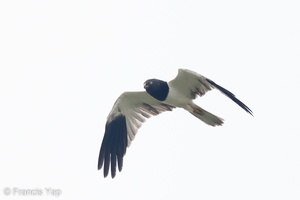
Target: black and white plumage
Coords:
[(133, 108)]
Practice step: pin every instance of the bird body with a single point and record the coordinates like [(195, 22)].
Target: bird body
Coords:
[(175, 98), (132, 109)]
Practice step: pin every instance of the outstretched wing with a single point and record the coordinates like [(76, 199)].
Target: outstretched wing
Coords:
[(191, 84), (126, 117)]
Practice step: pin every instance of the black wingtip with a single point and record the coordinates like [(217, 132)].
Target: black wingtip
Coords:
[(231, 96), (113, 147)]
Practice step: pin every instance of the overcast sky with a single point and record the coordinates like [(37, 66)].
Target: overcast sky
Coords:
[(64, 63)]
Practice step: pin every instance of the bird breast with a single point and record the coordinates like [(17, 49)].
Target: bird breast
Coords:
[(175, 98)]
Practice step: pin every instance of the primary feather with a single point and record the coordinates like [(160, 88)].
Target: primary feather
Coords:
[(127, 115)]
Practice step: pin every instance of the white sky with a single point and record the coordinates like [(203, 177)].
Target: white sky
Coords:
[(64, 63)]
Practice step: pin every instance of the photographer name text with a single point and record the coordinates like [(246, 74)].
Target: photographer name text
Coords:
[(15, 191)]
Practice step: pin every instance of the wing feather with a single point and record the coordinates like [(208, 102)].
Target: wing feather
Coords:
[(231, 96), (191, 84), (126, 117)]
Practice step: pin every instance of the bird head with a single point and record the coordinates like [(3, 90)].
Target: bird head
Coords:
[(157, 88)]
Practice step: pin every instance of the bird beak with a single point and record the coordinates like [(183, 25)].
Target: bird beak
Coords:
[(145, 85)]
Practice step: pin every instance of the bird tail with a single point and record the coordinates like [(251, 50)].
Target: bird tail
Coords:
[(206, 116)]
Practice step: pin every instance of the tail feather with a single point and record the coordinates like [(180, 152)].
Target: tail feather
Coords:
[(206, 116)]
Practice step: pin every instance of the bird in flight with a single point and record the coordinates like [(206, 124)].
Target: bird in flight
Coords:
[(133, 108)]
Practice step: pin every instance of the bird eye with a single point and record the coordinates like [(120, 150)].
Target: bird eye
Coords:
[(150, 82)]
